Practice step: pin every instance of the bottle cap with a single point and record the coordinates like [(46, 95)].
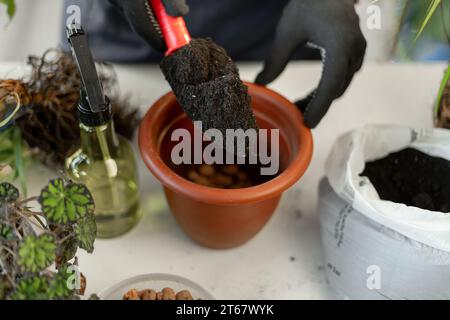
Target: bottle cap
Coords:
[(90, 118), (94, 108)]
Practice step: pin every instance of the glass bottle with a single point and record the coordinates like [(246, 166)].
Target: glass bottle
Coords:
[(111, 177), (105, 162)]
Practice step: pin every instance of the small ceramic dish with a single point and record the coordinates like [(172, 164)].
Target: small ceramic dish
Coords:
[(155, 281)]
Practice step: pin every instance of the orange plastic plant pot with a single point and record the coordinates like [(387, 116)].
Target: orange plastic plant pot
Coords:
[(226, 218)]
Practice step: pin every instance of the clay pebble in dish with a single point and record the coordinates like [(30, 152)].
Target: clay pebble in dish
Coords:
[(164, 294)]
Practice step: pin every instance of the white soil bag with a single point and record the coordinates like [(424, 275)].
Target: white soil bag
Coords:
[(377, 249)]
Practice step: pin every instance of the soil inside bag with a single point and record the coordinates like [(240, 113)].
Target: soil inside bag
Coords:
[(413, 178)]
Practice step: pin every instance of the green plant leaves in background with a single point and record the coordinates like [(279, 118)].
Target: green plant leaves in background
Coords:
[(31, 288), (6, 233), (67, 250), (86, 231), (10, 7), (434, 4), (67, 223), (60, 285), (444, 82), (15, 154), (8, 193), (63, 203), (36, 253)]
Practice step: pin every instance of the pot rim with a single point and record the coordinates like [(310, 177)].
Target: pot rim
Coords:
[(150, 154)]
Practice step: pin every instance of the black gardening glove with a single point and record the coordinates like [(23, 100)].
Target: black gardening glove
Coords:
[(332, 25), (142, 20)]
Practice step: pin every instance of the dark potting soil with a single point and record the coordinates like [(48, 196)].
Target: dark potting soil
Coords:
[(413, 178), (207, 85)]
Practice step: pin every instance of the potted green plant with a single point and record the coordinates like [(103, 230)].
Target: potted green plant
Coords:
[(410, 40), (443, 102), (31, 242), (442, 109)]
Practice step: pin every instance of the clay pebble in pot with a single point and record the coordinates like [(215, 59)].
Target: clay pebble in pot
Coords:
[(229, 176)]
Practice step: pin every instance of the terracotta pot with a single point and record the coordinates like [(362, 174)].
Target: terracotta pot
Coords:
[(225, 218)]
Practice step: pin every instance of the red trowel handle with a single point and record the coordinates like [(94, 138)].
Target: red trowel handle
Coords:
[(174, 29)]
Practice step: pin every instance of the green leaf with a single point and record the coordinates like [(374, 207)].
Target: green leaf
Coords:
[(58, 289), (6, 232), (11, 7), (434, 4), (60, 285), (444, 82), (66, 250), (36, 253), (65, 203), (86, 231), (14, 156), (19, 161), (8, 193), (31, 288)]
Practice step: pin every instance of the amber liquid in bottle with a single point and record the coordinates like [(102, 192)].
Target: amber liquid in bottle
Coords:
[(106, 164)]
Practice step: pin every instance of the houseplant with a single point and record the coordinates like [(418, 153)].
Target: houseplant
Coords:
[(10, 7), (33, 241), (420, 30), (14, 155), (442, 112)]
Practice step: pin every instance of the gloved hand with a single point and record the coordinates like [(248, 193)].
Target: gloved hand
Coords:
[(140, 15), (332, 26)]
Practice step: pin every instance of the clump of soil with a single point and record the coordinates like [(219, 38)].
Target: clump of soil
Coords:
[(224, 176), (164, 294), (413, 178), (207, 85)]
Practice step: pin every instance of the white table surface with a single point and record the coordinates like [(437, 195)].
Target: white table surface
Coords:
[(284, 261)]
